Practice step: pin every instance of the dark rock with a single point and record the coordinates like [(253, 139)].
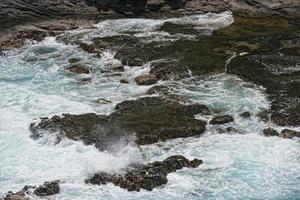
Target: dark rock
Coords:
[(222, 120), (147, 79), (272, 63), (73, 60), (159, 89), (245, 114), (172, 120), (270, 132), (77, 69), (286, 133), (47, 189), (146, 176), (124, 81), (90, 48)]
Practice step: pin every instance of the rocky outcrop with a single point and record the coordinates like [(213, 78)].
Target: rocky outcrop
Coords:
[(47, 189), (147, 176), (43, 14), (151, 119)]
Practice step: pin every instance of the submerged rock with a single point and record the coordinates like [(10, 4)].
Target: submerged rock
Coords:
[(47, 189), (77, 69), (151, 118), (103, 101), (222, 120), (147, 79), (147, 176)]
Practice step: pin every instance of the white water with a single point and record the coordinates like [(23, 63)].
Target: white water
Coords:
[(33, 83)]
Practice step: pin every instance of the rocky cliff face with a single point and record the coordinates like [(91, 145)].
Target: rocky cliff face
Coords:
[(13, 12)]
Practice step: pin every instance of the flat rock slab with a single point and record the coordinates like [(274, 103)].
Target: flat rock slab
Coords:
[(151, 119), (147, 176)]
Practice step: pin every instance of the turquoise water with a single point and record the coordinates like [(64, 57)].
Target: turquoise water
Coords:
[(33, 83)]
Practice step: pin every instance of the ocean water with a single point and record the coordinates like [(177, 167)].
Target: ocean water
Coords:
[(33, 84)]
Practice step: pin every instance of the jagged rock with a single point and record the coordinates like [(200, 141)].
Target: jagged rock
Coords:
[(222, 120), (286, 133), (147, 176), (147, 79), (77, 69), (270, 132), (172, 120), (47, 189), (245, 114)]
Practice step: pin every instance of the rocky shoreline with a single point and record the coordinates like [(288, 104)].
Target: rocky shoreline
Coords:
[(264, 41)]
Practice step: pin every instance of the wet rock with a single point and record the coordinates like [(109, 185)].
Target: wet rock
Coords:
[(103, 101), (146, 176), (147, 79), (159, 89), (222, 120), (124, 81), (270, 132), (77, 69), (73, 60), (286, 133), (245, 114), (172, 120), (90, 48), (47, 189), (227, 130)]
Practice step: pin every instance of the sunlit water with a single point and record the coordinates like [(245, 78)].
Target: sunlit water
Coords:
[(33, 84)]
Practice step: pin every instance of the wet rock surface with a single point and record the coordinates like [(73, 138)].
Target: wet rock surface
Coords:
[(147, 176), (77, 69), (147, 79), (222, 120), (151, 118), (270, 132), (46, 189)]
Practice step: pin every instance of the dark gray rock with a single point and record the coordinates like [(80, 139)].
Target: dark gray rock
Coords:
[(245, 114), (270, 132), (222, 120), (146, 176), (47, 189), (151, 118)]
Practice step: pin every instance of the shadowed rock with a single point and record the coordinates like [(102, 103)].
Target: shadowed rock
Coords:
[(77, 69), (147, 176), (286, 133)]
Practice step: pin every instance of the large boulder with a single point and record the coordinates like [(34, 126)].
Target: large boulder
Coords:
[(146, 176)]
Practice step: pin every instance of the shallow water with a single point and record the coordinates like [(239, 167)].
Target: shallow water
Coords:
[(33, 84)]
